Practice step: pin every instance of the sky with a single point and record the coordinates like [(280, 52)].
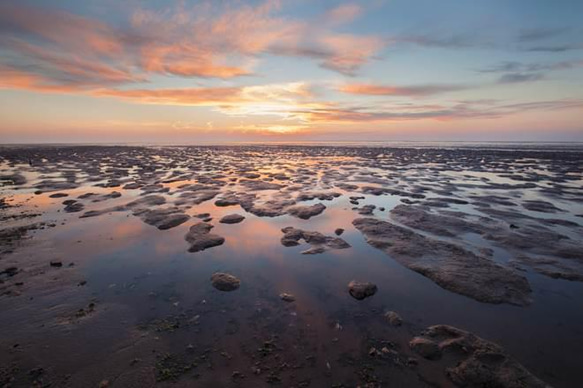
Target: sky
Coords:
[(189, 72)]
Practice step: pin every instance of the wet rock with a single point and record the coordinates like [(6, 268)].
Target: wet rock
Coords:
[(338, 231), (132, 186), (287, 297), (223, 202), (100, 197), (541, 206), (9, 271), (139, 206), (418, 217), (56, 263), (13, 179), (321, 195), (476, 362), (163, 218), (74, 207), (232, 219), (450, 266), (360, 291), (393, 318), (306, 212), (58, 195), (225, 282), (254, 185), (196, 196), (271, 208), (426, 348), (319, 242), (365, 210), (200, 238)]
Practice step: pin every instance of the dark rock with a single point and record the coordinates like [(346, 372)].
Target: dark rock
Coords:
[(306, 212), (232, 219), (361, 291), (200, 238), (224, 281), (287, 297), (393, 318), (426, 348), (451, 266)]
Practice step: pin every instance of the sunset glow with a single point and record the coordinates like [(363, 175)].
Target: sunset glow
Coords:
[(231, 71)]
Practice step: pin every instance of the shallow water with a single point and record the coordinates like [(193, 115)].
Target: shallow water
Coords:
[(156, 318)]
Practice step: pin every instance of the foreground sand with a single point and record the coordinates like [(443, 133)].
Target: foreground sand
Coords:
[(292, 266)]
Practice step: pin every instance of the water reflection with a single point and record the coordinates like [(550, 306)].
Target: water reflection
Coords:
[(151, 296)]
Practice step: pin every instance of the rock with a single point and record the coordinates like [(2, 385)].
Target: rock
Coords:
[(393, 318), (306, 212), (200, 238), (365, 210), (132, 186), (56, 263), (58, 195), (450, 266), (163, 218), (541, 206), (74, 207), (425, 348), (476, 362), (225, 282), (360, 291), (254, 185), (321, 195), (232, 219), (13, 179), (9, 271), (338, 231), (287, 297), (319, 242)]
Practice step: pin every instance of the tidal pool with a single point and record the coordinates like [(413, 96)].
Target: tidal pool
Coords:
[(100, 287)]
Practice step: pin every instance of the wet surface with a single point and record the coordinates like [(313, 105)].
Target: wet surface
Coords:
[(132, 303)]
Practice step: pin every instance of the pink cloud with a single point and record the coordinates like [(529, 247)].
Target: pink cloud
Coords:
[(205, 40), (390, 90)]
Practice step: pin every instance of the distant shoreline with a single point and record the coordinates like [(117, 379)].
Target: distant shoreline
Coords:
[(491, 145)]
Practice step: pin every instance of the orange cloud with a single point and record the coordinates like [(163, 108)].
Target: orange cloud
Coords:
[(387, 90), (205, 40)]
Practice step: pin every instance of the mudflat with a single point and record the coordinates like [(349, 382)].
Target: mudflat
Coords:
[(292, 266)]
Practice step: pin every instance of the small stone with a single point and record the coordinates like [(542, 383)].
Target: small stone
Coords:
[(225, 282), (393, 318), (56, 263), (361, 291), (232, 219), (339, 231), (287, 297), (425, 348)]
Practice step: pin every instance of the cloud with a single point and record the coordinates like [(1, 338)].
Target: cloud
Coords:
[(512, 78), (518, 72), (540, 33), (204, 40), (509, 66), (343, 13), (390, 90), (457, 111), (554, 48), (435, 41)]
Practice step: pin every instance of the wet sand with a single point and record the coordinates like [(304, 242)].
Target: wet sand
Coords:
[(230, 266)]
